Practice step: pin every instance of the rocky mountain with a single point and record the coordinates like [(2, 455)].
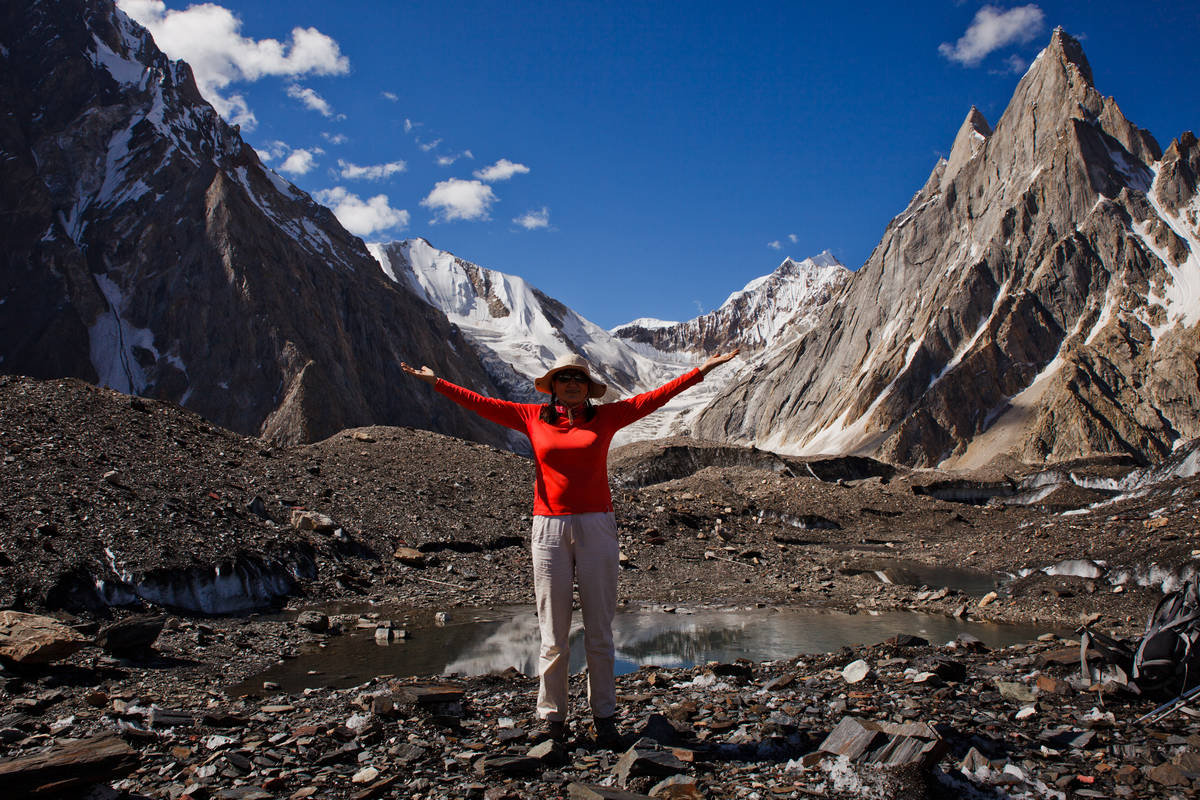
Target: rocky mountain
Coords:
[(1037, 299), (786, 303), (146, 248)]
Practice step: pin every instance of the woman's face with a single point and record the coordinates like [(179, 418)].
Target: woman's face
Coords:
[(571, 386)]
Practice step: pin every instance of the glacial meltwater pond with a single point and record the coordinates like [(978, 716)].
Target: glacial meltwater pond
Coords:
[(478, 641)]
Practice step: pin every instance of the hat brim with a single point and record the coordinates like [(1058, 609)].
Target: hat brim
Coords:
[(596, 389)]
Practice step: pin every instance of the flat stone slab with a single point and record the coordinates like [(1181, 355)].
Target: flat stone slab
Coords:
[(34, 639), (508, 765), (646, 758), (68, 766), (592, 791)]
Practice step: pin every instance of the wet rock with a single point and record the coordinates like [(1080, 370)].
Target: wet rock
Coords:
[(908, 640), (313, 621), (736, 671), (34, 639)]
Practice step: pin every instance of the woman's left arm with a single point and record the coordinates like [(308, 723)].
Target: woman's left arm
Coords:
[(634, 408)]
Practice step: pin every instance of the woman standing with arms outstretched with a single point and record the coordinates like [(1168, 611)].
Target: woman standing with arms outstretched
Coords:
[(574, 530)]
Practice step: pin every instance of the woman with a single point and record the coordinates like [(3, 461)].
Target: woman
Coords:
[(574, 531)]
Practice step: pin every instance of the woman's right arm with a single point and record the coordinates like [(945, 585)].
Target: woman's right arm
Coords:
[(502, 412)]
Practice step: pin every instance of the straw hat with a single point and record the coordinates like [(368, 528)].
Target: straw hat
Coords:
[(596, 389)]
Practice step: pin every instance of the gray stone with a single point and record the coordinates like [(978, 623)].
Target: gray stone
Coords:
[(592, 791), (647, 758), (313, 621), (508, 765)]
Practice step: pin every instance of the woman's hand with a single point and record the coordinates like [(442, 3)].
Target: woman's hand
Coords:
[(718, 360), (424, 373)]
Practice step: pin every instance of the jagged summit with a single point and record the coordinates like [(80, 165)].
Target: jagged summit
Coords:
[(1033, 299), (968, 142), (1066, 49)]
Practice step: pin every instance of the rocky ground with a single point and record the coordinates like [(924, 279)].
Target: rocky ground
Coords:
[(115, 499)]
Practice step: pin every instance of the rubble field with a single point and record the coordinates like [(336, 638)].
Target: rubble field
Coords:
[(166, 547)]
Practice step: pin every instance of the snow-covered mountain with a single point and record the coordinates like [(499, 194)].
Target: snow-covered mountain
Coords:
[(519, 331), (786, 303)]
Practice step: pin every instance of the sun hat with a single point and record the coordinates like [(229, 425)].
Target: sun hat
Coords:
[(596, 389)]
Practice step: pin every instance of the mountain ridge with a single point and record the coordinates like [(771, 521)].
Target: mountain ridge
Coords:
[(148, 249), (975, 289)]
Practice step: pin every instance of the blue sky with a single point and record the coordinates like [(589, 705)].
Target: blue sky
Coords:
[(644, 158)]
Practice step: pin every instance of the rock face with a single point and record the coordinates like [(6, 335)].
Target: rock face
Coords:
[(1037, 299), (146, 248)]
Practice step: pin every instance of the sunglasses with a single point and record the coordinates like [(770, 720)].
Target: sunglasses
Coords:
[(569, 377)]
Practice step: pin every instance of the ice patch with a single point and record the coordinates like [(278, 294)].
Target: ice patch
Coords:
[(1181, 294), (111, 343), (1076, 568)]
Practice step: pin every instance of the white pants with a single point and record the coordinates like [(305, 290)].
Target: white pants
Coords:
[(582, 548)]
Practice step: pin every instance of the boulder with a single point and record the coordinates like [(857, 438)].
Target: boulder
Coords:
[(34, 639), (133, 636)]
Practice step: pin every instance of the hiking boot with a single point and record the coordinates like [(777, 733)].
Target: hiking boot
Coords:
[(604, 731), (550, 729)]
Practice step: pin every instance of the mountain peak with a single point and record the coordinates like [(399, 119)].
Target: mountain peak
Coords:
[(969, 140), (1066, 49)]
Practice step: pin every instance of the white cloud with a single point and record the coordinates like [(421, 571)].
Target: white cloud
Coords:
[(335, 138), (427, 146), (408, 125), (362, 217), (371, 173), (532, 220), (301, 161), (445, 161), (794, 238), (391, 96), (502, 170), (272, 150), (1015, 64), (459, 199), (311, 99), (992, 29), (775, 245), (208, 37)]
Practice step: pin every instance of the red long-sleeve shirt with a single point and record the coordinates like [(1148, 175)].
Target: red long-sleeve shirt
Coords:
[(571, 475)]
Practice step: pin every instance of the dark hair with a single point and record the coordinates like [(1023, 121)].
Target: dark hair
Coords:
[(549, 412)]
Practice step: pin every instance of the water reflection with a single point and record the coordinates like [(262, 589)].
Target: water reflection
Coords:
[(477, 642)]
